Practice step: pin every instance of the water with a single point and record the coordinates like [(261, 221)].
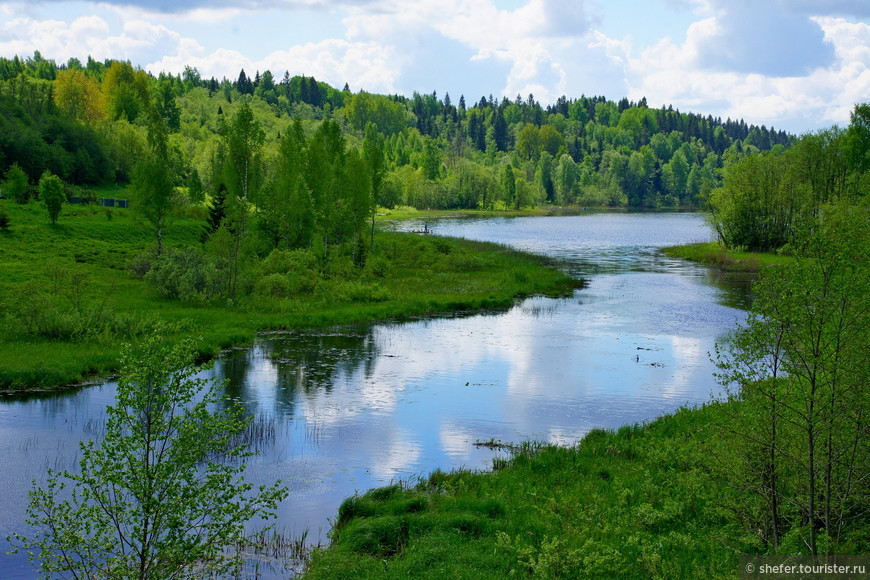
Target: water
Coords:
[(358, 407)]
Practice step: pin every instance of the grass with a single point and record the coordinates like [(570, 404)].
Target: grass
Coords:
[(667, 499), (727, 260), (68, 300), (638, 502)]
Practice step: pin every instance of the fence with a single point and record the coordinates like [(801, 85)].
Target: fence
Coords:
[(105, 202)]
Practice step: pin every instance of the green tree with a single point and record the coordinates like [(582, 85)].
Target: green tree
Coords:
[(373, 152), (675, 175), (529, 142), (324, 174), (858, 139), (801, 369), (551, 140), (163, 495), (388, 116), (16, 185), (164, 101), (289, 210), (51, 191), (154, 179), (759, 203), (544, 177), (127, 91), (358, 189), (509, 184), (431, 160), (78, 95), (244, 139), (567, 176)]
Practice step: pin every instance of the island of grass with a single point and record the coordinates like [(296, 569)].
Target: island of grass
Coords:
[(716, 254), (75, 291)]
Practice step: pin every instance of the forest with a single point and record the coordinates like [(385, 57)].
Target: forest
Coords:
[(86, 123)]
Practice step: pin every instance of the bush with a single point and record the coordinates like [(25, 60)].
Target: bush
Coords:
[(274, 286), (378, 267), (16, 185), (185, 274), (287, 261), (52, 193)]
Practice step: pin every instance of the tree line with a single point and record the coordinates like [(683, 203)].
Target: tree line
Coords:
[(86, 122)]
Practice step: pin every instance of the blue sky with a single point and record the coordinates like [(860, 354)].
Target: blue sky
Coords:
[(798, 65)]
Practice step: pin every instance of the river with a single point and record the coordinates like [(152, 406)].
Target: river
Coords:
[(346, 409)]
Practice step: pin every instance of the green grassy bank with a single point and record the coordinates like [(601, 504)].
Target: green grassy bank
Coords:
[(69, 300), (661, 500), (716, 254), (641, 502)]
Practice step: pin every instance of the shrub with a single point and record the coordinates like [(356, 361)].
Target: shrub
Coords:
[(274, 286), (52, 192), (186, 274), (378, 267), (16, 185)]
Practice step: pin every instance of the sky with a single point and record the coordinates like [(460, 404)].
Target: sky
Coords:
[(798, 65)]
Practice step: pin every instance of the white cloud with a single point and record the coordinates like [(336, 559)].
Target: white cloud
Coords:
[(763, 37), (798, 63), (335, 61), (682, 75)]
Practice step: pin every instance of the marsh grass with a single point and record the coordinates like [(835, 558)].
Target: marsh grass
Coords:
[(278, 553), (727, 260), (68, 300), (637, 502)]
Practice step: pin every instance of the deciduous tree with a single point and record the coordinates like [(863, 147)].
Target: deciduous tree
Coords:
[(163, 495), (154, 179), (51, 191), (16, 185)]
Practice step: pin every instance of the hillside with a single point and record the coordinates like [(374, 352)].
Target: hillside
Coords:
[(84, 122)]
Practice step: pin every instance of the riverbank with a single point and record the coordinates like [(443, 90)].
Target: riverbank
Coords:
[(644, 501), (70, 300), (715, 254)]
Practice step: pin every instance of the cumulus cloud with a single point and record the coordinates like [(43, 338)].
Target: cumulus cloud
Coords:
[(183, 6), (797, 62), (138, 41), (671, 73), (763, 37)]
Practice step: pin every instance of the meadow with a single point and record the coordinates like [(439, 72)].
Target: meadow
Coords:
[(71, 297)]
